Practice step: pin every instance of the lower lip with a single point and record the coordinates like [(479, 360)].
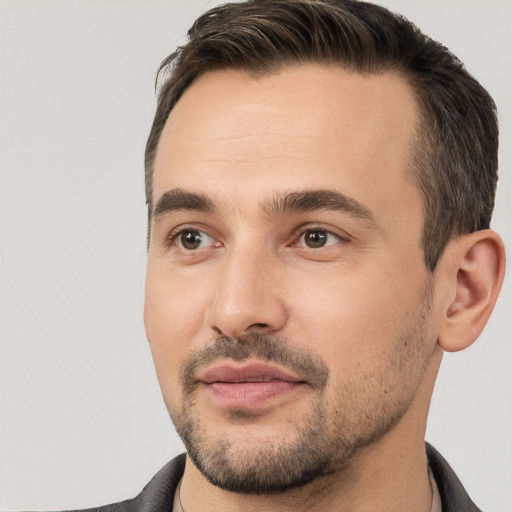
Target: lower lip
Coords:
[(249, 395)]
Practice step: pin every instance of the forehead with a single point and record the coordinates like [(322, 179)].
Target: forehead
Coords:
[(304, 127)]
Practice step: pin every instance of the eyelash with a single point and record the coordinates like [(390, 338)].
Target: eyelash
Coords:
[(174, 235), (303, 230)]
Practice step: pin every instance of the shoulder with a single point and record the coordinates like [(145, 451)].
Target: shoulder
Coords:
[(453, 495), (156, 496)]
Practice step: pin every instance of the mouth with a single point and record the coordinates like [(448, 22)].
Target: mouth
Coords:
[(248, 386)]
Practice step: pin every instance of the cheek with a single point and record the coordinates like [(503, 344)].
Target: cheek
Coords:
[(353, 318), (174, 321), (175, 302)]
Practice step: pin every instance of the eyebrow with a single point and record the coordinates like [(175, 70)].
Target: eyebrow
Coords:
[(282, 203), (178, 199), (317, 200)]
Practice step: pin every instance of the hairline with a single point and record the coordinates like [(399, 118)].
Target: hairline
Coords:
[(416, 145)]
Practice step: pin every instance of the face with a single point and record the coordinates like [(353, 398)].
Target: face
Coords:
[(288, 306)]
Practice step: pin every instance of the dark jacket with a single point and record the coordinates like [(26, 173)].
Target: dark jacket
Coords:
[(158, 495)]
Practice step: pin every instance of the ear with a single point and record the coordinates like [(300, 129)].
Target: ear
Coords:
[(472, 268)]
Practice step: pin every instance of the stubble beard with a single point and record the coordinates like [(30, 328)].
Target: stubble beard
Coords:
[(323, 441)]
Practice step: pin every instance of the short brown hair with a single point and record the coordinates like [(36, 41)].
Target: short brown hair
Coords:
[(456, 148)]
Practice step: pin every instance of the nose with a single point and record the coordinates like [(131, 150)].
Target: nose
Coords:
[(248, 297)]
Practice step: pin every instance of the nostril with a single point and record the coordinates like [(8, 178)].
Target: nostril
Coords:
[(257, 326), (234, 333)]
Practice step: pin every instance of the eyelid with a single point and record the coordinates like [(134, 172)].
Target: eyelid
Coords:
[(339, 233), (299, 232), (178, 230)]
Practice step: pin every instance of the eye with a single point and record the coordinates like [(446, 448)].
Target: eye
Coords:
[(317, 238), (192, 239)]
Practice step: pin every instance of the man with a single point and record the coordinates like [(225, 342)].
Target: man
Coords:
[(320, 180)]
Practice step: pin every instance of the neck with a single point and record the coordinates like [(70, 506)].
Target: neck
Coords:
[(388, 475)]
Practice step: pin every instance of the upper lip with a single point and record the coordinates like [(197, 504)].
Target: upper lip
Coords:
[(247, 372)]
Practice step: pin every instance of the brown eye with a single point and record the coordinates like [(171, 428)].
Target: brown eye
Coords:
[(317, 238), (192, 239)]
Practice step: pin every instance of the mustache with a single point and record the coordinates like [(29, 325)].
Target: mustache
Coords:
[(261, 347)]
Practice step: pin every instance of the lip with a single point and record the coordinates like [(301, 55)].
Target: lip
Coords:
[(248, 386), (247, 372)]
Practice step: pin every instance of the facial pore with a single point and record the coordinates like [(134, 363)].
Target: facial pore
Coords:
[(327, 437)]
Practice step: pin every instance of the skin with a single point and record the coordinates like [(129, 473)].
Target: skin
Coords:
[(363, 305)]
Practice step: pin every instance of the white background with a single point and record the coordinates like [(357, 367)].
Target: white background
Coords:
[(82, 422)]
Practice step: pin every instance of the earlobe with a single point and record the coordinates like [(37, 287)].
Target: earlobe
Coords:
[(475, 268)]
